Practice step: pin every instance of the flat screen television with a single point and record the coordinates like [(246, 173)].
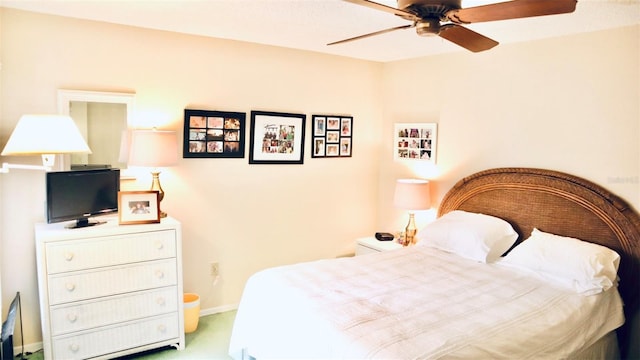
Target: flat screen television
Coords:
[(81, 194)]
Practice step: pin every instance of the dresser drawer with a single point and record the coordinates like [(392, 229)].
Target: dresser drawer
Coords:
[(116, 338), (74, 255), (83, 285), (115, 309)]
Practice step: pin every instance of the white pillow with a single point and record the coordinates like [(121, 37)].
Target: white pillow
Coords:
[(479, 237), (584, 267)]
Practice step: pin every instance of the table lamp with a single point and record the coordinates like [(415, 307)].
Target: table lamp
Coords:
[(155, 149), (45, 135), (411, 194)]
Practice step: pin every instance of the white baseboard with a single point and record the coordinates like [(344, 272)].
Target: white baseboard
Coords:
[(218, 309), (28, 348)]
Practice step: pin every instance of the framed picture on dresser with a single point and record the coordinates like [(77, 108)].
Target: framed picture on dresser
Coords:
[(138, 207)]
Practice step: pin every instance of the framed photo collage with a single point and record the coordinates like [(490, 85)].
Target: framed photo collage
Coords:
[(331, 136), (275, 137)]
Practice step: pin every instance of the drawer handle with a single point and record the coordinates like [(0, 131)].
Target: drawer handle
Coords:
[(159, 274), (70, 286), (160, 301), (159, 245), (162, 328), (72, 317), (74, 347), (68, 256)]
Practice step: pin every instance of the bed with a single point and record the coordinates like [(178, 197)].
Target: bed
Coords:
[(420, 302)]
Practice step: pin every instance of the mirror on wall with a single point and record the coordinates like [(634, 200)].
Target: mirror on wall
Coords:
[(102, 117)]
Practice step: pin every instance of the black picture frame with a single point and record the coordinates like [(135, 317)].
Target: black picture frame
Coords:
[(332, 136), (213, 134), (276, 138)]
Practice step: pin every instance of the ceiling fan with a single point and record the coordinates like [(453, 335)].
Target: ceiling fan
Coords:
[(444, 18)]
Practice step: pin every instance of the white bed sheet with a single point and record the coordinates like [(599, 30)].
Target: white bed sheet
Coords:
[(434, 305)]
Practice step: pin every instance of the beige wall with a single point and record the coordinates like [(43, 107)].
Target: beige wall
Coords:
[(569, 104), (246, 217)]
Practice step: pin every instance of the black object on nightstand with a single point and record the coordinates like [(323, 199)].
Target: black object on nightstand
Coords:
[(382, 236)]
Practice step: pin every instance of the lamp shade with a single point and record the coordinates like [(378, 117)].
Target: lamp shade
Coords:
[(412, 194), (45, 134), (153, 148)]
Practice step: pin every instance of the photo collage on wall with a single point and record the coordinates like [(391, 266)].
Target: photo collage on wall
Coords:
[(332, 136), (211, 134), (276, 138), (416, 141)]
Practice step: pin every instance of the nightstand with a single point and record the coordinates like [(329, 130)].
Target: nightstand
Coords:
[(367, 245)]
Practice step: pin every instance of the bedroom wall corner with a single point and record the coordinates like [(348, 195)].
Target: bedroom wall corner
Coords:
[(569, 104)]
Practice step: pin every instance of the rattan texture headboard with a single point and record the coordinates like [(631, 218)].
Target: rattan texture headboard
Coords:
[(562, 204)]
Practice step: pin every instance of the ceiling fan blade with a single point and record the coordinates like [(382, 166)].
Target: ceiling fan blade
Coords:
[(372, 34), (510, 10), (377, 6), (466, 38)]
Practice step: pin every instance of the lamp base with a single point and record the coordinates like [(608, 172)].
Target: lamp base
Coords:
[(155, 185), (410, 231)]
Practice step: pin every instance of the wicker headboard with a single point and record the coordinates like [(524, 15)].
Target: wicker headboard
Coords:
[(561, 204)]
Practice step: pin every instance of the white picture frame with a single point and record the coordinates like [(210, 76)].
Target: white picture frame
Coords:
[(415, 141)]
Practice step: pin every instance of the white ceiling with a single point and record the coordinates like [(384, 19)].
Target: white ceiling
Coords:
[(311, 24)]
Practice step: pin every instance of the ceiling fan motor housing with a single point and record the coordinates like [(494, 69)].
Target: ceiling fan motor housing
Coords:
[(430, 12), (428, 27), (429, 8), (455, 4)]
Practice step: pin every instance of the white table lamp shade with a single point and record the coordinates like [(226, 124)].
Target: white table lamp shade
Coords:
[(153, 148), (412, 194), (45, 134)]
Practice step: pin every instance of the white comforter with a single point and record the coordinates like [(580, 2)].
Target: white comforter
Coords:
[(415, 303)]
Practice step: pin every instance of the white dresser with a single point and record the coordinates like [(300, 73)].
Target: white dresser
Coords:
[(110, 290)]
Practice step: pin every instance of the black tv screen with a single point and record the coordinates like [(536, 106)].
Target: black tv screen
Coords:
[(79, 195)]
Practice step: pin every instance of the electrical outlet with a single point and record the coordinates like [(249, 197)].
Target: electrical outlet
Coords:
[(214, 269)]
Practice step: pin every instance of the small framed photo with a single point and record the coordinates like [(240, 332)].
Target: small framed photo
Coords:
[(138, 207), (332, 136), (276, 138), (415, 141), (213, 134)]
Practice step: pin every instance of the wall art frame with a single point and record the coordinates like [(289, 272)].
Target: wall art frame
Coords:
[(332, 136), (138, 207), (415, 141), (214, 134), (276, 138)]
